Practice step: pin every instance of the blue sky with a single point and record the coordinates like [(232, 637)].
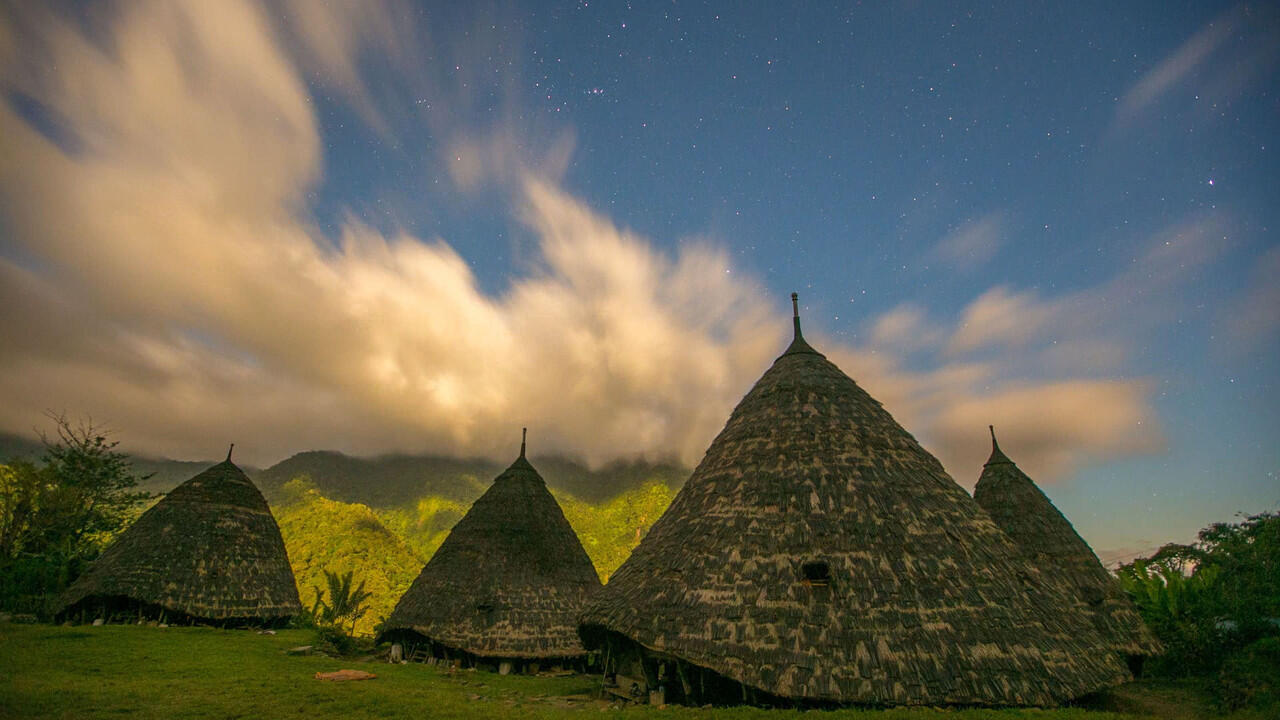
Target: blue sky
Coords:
[(417, 227)]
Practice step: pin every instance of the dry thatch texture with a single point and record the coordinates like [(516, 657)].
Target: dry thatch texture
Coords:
[(508, 582), (209, 550), (1052, 544), (927, 602)]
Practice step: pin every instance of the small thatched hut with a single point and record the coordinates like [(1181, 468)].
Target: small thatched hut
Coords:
[(1047, 538), (210, 551), (506, 586), (819, 555)]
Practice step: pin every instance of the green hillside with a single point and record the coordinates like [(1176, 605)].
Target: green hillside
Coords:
[(322, 534), (424, 526), (387, 548), (611, 530)]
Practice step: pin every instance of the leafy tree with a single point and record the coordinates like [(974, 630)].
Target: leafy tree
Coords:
[(21, 487), (1215, 605), (57, 516), (344, 604)]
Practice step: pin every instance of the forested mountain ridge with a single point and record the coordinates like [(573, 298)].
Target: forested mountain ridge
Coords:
[(165, 474), (396, 480), (400, 481)]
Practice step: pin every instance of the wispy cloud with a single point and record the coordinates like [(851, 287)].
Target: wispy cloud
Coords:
[(973, 243), (1230, 56), (1046, 370), (1101, 316), (1175, 68), (1253, 318)]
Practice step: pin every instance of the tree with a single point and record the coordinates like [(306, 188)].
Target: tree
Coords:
[(345, 603), (94, 485), (57, 516), (1215, 605)]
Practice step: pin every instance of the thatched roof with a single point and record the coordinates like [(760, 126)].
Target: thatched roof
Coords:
[(210, 550), (819, 553), (1045, 535), (510, 579)]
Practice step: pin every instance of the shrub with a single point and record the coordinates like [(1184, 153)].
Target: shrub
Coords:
[(1251, 677)]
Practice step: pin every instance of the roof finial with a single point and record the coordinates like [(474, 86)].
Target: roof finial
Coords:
[(996, 455), (798, 345), (524, 435), (233, 447), (795, 313)]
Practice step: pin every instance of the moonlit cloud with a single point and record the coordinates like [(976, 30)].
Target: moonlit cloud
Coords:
[(162, 272), (1042, 368), (182, 294), (1225, 59), (1253, 318), (1175, 68), (1052, 428), (973, 243)]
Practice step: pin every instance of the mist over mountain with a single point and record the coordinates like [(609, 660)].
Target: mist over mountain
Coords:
[(389, 481), (165, 474), (398, 480)]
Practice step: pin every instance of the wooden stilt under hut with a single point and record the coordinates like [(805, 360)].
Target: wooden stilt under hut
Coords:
[(818, 555), (505, 588), (208, 552), (1050, 542)]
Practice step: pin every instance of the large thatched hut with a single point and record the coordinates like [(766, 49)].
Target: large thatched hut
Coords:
[(210, 551), (819, 555), (507, 584), (1047, 538)]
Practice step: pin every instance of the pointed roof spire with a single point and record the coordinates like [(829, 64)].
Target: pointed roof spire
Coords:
[(233, 447), (996, 455), (508, 581), (1047, 538), (524, 435), (798, 345)]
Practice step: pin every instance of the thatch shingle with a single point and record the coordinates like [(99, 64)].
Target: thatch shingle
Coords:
[(509, 580), (1048, 539), (819, 554), (210, 550)]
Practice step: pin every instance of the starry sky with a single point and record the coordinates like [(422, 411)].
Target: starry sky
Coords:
[(417, 227)]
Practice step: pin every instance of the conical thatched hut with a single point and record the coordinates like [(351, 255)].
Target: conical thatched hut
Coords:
[(507, 584), (209, 551), (1047, 538), (819, 555)]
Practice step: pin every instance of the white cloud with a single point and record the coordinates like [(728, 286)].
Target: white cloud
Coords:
[(1253, 318), (205, 309), (973, 243), (1171, 71), (164, 276)]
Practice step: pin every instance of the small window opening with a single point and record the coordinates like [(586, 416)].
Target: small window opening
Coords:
[(484, 607), (816, 573)]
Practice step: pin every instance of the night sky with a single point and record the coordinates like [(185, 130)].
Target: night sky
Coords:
[(410, 227)]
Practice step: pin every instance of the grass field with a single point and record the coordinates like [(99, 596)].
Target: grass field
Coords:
[(146, 672)]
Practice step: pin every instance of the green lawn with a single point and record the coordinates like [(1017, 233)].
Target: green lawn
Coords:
[(146, 672)]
